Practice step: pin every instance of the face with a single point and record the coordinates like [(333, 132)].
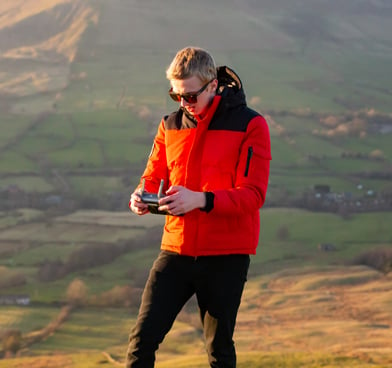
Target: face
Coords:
[(193, 85)]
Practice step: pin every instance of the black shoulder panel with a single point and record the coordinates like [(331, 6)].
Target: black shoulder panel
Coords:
[(233, 119), (236, 119), (178, 120)]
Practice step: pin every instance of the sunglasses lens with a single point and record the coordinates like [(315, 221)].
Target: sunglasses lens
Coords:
[(175, 96), (188, 98)]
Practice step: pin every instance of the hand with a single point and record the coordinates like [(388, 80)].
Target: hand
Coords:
[(136, 205), (180, 200)]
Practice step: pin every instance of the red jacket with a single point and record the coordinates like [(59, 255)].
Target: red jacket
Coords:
[(226, 153)]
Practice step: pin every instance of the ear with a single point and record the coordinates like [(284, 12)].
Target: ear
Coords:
[(214, 85)]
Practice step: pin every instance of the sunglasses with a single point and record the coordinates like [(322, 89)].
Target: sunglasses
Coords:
[(188, 97)]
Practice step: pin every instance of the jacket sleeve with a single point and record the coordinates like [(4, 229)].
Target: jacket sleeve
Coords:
[(252, 173), (156, 168)]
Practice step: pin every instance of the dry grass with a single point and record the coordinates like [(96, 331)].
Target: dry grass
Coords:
[(67, 232), (72, 19), (117, 219), (340, 310), (58, 361), (57, 44), (283, 322), (14, 11), (344, 321)]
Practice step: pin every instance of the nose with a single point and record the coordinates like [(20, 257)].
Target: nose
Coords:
[(183, 103)]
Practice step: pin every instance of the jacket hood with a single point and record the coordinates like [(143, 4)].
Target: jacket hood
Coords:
[(230, 87)]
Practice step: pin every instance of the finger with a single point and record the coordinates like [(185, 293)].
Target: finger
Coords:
[(166, 200), (167, 207), (173, 189), (164, 208)]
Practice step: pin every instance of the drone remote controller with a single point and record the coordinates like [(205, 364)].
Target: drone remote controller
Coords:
[(152, 199)]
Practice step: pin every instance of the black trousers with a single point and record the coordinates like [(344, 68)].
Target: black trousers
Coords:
[(217, 281)]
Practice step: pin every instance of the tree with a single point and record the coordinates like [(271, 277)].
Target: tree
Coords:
[(76, 294), (377, 155), (120, 296), (283, 232), (12, 341), (379, 259), (51, 270)]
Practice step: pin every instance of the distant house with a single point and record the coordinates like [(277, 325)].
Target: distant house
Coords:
[(53, 200), (13, 189), (14, 299), (322, 188), (326, 247)]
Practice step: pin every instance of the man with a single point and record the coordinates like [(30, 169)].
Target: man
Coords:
[(213, 155)]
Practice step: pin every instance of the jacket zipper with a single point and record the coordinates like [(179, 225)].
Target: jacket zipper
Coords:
[(250, 154)]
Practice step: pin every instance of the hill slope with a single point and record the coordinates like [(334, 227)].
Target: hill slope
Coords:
[(38, 41), (320, 73), (270, 39)]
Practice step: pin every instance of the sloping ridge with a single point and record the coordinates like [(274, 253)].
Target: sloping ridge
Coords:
[(38, 40)]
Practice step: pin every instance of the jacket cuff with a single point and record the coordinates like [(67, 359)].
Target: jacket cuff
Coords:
[(209, 202)]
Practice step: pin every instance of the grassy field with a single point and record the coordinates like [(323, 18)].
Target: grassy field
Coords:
[(106, 115), (302, 312), (297, 317), (80, 104), (25, 244), (97, 142)]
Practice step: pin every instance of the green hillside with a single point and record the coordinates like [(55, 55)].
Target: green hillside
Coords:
[(320, 76), (82, 90)]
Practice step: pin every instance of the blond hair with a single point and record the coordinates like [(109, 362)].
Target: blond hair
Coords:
[(190, 62)]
